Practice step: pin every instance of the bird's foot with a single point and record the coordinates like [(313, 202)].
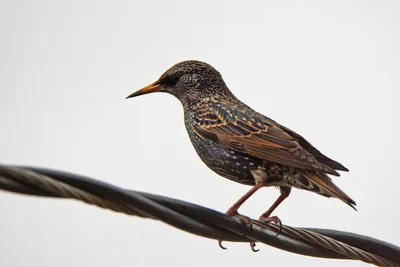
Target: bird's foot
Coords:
[(273, 219), (241, 217), (247, 221)]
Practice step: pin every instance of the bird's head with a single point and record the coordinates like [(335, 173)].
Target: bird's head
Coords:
[(190, 81)]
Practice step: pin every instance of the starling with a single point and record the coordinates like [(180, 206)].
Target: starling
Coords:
[(241, 144)]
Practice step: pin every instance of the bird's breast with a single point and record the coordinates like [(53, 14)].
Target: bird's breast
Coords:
[(230, 164)]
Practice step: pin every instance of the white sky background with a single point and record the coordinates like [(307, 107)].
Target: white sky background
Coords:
[(328, 70)]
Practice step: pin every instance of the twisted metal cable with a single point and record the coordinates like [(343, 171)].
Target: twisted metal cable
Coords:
[(64, 190), (191, 218), (329, 243)]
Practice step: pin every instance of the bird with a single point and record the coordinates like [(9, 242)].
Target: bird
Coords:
[(242, 145)]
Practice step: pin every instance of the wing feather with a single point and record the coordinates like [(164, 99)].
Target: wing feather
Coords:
[(244, 130)]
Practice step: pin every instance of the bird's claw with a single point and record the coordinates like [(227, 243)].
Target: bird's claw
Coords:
[(252, 246), (275, 220), (248, 222), (243, 218), (220, 244)]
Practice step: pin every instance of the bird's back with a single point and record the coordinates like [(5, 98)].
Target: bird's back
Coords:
[(232, 140)]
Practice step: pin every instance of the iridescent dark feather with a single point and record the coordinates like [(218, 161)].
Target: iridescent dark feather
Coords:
[(241, 144), (313, 151), (243, 130), (247, 131)]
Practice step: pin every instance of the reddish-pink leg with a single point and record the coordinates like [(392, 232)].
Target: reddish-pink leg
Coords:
[(285, 191), (233, 211)]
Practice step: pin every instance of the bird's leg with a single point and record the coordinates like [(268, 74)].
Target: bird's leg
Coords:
[(233, 211), (260, 178), (285, 191)]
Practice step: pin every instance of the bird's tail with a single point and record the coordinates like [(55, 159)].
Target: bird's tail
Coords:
[(322, 184)]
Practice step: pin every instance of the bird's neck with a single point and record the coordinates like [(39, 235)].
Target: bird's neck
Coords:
[(194, 106), (193, 101)]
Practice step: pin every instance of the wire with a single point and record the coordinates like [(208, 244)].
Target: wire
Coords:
[(195, 219)]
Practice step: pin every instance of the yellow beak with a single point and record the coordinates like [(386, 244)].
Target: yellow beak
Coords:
[(151, 88)]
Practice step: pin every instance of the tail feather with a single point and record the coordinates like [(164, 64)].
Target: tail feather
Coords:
[(323, 185)]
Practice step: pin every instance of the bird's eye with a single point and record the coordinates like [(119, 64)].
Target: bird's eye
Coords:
[(170, 80)]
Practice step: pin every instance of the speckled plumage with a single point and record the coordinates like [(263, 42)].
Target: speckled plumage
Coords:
[(241, 144)]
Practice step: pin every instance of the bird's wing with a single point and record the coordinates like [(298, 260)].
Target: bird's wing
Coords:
[(244, 130), (313, 151)]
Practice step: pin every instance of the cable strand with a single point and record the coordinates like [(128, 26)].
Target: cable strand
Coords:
[(190, 217)]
